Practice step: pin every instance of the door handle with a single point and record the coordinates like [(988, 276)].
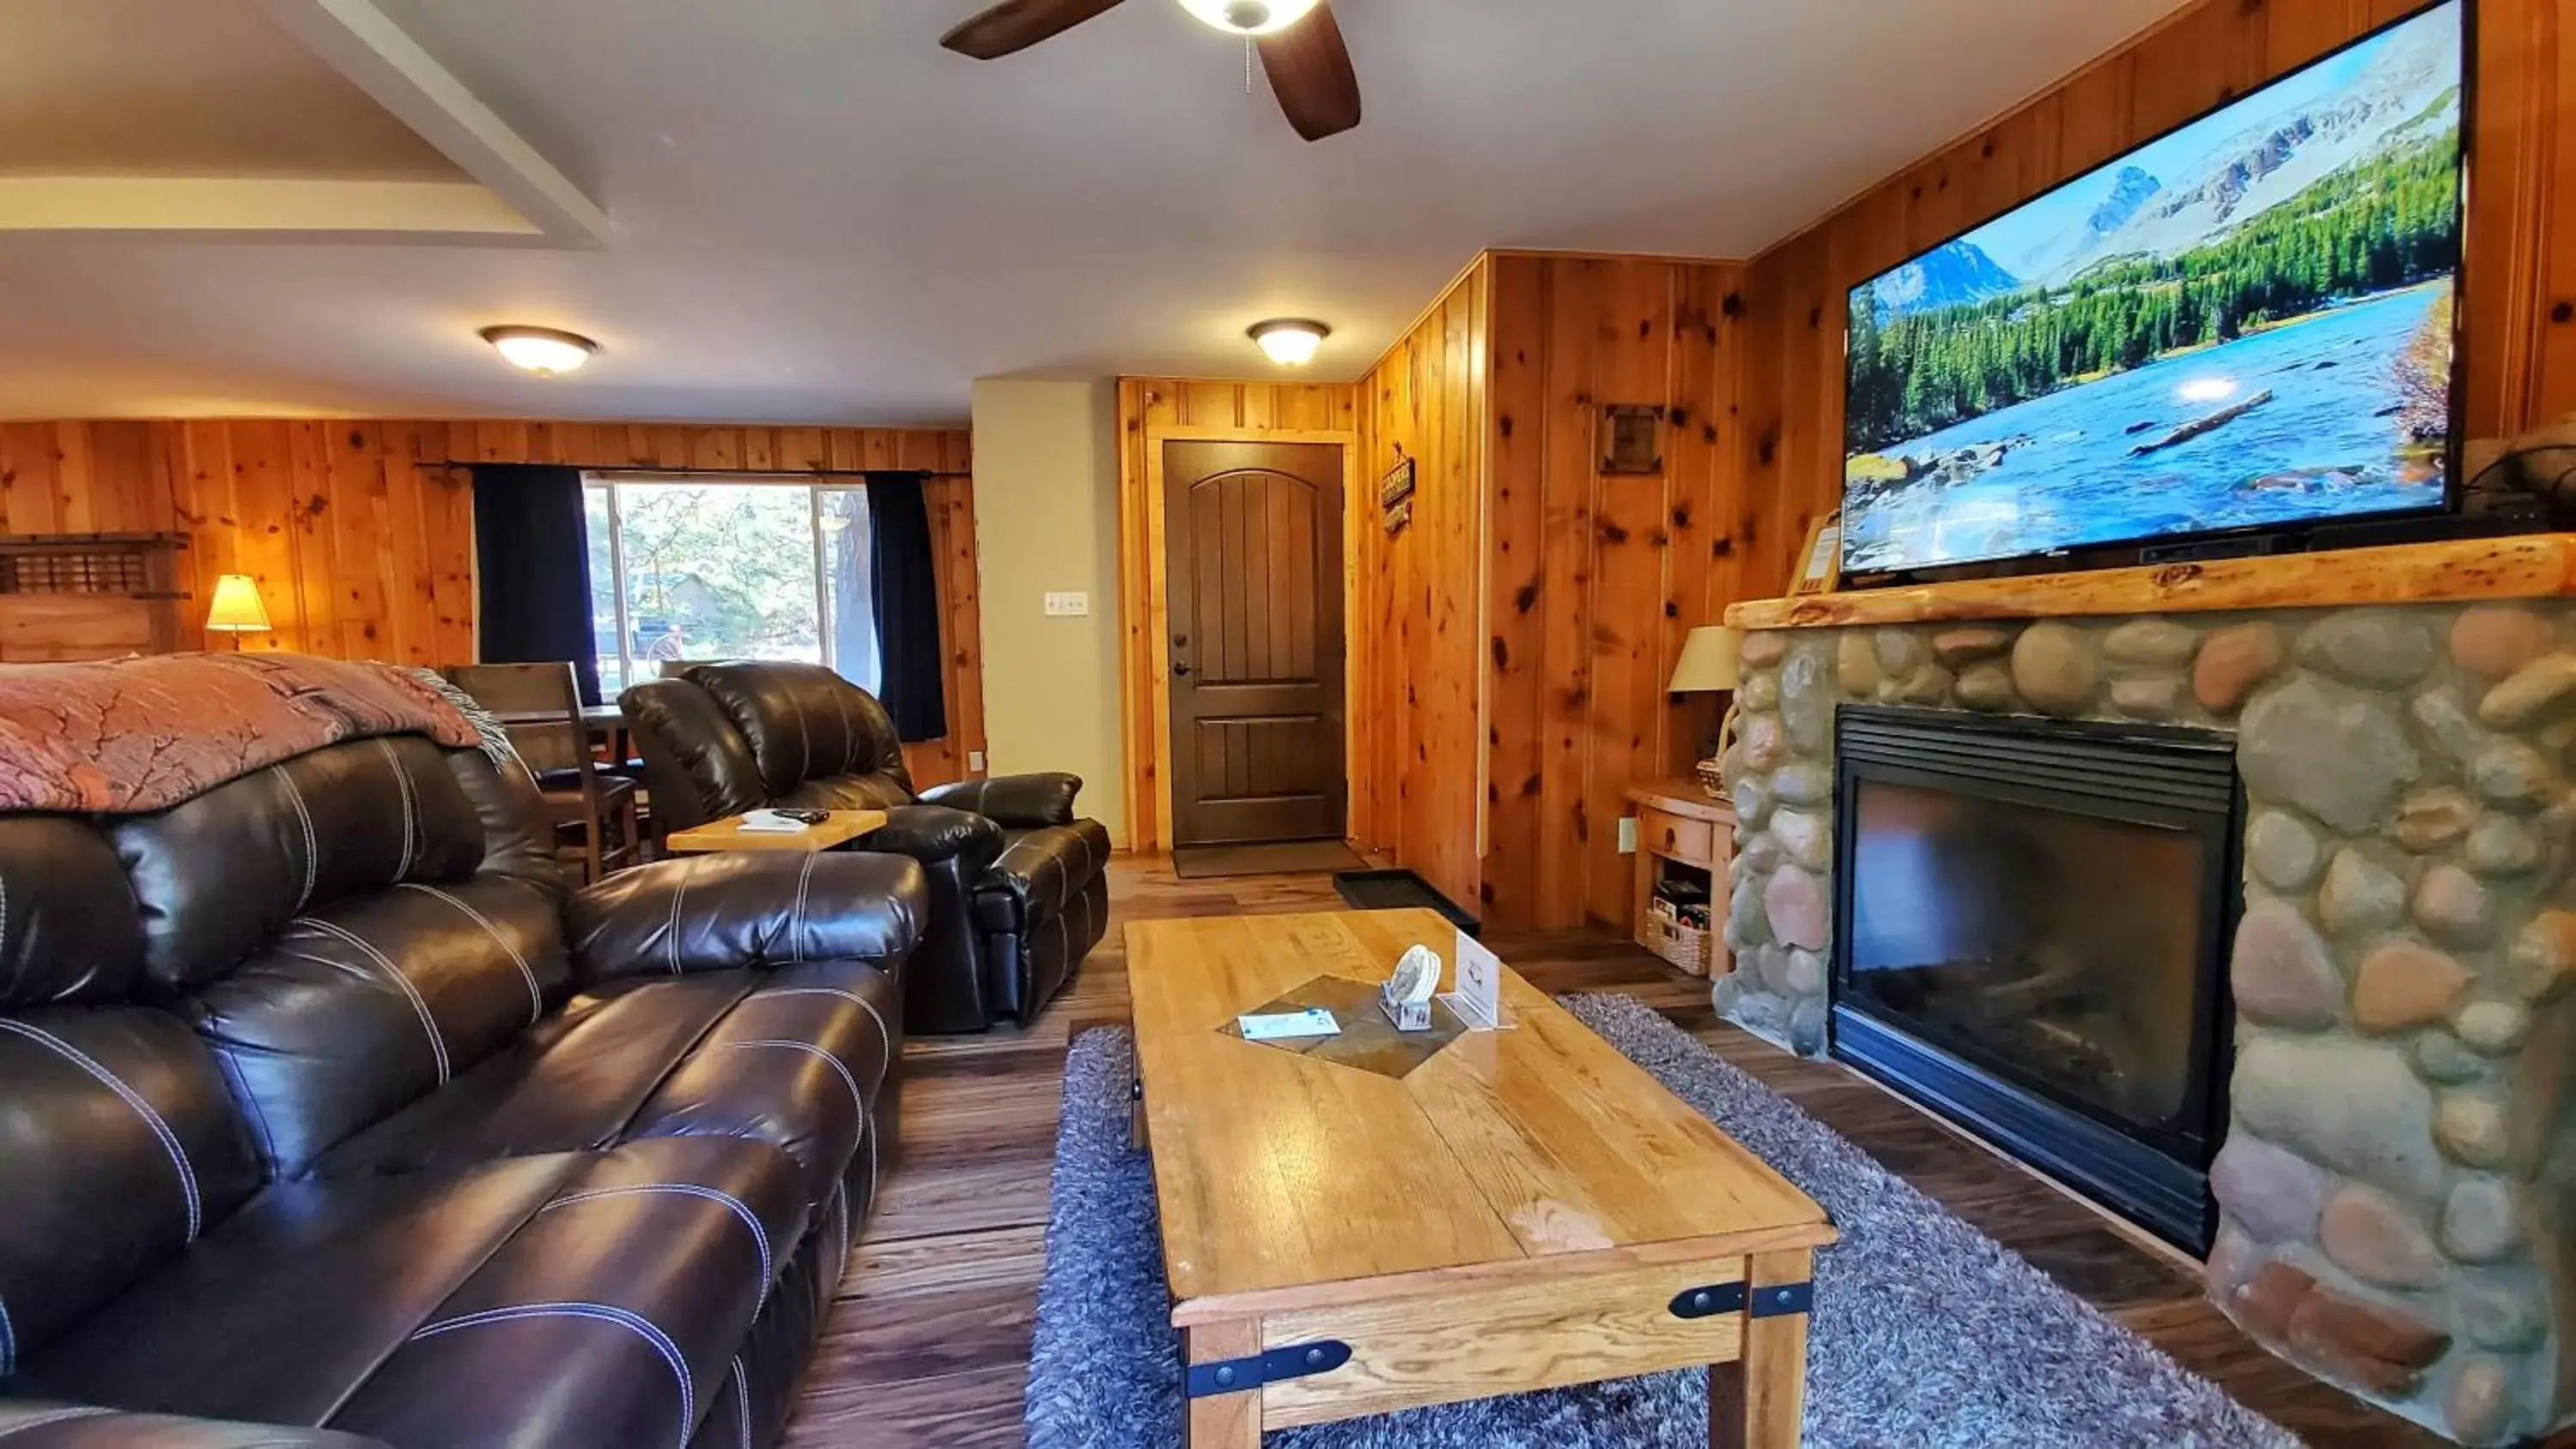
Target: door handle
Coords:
[(1180, 671)]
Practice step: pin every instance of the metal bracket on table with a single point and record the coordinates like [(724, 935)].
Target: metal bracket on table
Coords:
[(1235, 1375), (1771, 1301)]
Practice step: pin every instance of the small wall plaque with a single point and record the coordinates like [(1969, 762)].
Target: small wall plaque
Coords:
[(1398, 516), (1398, 485), (1632, 438)]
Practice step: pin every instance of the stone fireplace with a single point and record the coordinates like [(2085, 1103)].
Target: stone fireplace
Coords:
[(2385, 1125)]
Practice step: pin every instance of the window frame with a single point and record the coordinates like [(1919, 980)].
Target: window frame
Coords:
[(815, 484)]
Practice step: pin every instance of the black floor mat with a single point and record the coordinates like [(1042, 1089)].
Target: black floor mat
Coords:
[(1399, 890)]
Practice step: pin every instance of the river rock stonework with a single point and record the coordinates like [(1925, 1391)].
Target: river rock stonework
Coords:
[(2398, 1212)]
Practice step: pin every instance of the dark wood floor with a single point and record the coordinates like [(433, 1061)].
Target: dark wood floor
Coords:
[(929, 1342)]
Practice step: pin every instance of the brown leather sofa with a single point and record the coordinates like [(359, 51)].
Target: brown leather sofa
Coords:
[(324, 1108), (1019, 889)]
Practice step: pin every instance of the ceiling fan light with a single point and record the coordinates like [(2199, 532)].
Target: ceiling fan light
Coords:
[(1249, 17), (1290, 341), (545, 351)]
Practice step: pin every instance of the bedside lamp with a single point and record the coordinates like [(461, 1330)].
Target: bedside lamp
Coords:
[(1712, 662), (237, 609)]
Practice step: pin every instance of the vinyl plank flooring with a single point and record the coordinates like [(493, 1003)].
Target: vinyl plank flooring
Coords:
[(929, 1338)]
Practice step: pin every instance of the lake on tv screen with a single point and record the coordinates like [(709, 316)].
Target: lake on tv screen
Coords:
[(2246, 323)]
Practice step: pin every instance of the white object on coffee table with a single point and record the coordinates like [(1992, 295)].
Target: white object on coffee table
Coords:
[(1406, 996), (1478, 999)]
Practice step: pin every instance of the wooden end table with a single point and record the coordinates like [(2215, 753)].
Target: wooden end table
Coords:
[(1523, 1209), (1677, 821), (728, 834)]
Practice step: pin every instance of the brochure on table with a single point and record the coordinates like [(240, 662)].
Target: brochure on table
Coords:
[(1478, 999)]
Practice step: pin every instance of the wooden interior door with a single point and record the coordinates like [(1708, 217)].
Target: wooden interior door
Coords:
[(1253, 543)]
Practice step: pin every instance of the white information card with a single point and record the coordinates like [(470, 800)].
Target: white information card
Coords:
[(1478, 999)]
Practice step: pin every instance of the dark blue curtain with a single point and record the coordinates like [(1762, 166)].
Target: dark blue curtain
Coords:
[(532, 569), (907, 603)]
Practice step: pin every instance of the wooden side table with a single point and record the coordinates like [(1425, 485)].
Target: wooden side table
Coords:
[(728, 834), (1677, 822)]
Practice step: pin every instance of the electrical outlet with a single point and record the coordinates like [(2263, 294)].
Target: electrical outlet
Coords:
[(1627, 835), (1068, 605), (975, 761)]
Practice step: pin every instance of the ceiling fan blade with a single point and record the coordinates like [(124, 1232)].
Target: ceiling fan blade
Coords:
[(1019, 24), (1310, 72)]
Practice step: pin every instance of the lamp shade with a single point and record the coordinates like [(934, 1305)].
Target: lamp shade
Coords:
[(1710, 661), (237, 608)]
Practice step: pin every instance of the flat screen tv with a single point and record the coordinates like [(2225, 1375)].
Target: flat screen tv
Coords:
[(2245, 324)]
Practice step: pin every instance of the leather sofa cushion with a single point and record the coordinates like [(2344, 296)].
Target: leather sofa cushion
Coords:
[(226, 871), (118, 1147), (293, 1301), (357, 1010), (40, 1425), (804, 722), (68, 925), (611, 1317), (573, 1083), (768, 1054), (1039, 870), (591, 1298)]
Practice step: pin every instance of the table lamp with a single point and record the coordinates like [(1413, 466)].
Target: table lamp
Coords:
[(1712, 662), (237, 609)]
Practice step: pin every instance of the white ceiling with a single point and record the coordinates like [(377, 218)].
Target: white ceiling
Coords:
[(821, 216)]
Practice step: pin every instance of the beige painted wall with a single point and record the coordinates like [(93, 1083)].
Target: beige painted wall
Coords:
[(1046, 520)]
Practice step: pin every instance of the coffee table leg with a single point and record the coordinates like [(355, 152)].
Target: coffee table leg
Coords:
[(1224, 1421), (1760, 1400)]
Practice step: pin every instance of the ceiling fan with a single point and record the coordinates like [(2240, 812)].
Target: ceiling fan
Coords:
[(1301, 48)]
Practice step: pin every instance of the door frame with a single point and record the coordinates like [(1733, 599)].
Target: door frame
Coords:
[(1148, 628)]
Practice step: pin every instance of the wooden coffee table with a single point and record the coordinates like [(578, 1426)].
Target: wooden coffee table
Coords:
[(1525, 1209), (728, 834)]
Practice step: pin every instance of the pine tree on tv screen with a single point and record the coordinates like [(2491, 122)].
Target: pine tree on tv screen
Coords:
[(2244, 323)]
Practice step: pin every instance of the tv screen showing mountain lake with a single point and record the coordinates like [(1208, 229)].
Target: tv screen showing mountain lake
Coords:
[(2244, 324)]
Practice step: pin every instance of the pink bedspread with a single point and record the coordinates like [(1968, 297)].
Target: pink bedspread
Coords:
[(129, 736)]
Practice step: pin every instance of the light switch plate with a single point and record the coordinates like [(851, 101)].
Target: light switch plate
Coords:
[(975, 761), (1068, 605), (1627, 835)]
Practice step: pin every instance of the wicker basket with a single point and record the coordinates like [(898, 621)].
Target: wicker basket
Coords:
[(1712, 779), (1683, 946)]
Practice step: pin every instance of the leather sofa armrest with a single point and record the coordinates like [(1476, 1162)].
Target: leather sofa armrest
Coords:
[(748, 908), (1020, 800), (932, 833), (29, 1424)]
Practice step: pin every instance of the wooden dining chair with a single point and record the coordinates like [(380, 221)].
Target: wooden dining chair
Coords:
[(596, 825)]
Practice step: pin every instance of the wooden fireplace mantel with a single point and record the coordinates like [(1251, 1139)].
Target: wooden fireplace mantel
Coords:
[(2528, 566)]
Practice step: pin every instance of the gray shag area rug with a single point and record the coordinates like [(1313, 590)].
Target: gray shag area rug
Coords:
[(1926, 1332)]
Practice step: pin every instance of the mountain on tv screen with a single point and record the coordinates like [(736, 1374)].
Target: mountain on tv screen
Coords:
[(2246, 323)]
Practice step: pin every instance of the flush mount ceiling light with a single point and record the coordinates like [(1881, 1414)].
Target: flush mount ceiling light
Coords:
[(1290, 341), (1249, 17), (541, 350)]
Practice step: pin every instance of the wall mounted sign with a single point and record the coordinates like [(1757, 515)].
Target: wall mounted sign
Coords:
[(1398, 485), (1632, 438)]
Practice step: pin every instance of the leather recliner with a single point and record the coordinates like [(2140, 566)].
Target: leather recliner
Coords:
[(1019, 887), (324, 1107)]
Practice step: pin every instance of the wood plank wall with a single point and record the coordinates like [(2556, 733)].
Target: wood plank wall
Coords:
[(2519, 356), (361, 536), (1418, 617), (1147, 408), (1595, 579)]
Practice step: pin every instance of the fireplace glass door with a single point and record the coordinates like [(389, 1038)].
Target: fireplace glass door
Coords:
[(2034, 918)]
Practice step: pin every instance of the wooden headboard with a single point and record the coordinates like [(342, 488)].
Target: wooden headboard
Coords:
[(89, 595)]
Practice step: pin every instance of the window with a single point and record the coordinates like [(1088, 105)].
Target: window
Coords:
[(718, 568)]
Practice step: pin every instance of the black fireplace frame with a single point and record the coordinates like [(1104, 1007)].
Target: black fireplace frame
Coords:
[(2157, 1179)]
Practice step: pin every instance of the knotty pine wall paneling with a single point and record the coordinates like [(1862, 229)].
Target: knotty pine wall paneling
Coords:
[(1417, 775), (1150, 409), (361, 534), (1594, 578), (2519, 338)]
